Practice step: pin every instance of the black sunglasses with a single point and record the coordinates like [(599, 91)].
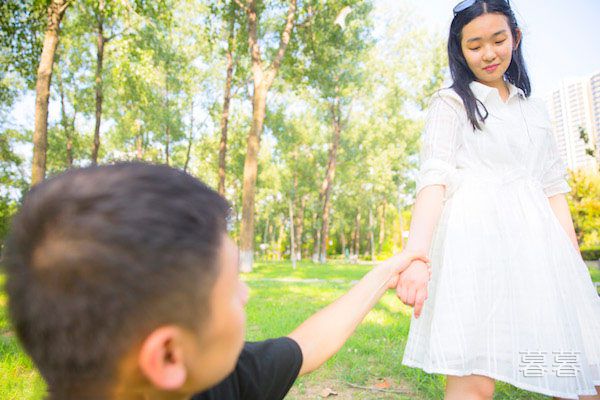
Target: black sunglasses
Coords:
[(463, 5)]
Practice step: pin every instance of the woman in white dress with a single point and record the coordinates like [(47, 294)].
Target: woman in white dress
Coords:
[(510, 297)]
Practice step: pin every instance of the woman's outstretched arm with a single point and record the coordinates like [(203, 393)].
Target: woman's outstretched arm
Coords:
[(412, 285)]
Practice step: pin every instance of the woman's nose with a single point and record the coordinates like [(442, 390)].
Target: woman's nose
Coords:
[(489, 54)]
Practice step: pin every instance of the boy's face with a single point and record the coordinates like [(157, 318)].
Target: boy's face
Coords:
[(223, 336), (174, 360)]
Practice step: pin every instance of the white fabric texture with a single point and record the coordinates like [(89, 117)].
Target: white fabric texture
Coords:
[(509, 298)]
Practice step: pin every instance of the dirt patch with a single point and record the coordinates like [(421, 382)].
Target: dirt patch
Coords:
[(386, 389)]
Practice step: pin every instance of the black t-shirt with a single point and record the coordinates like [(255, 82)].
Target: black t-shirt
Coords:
[(264, 371)]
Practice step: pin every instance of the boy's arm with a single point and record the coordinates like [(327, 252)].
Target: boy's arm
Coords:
[(324, 333)]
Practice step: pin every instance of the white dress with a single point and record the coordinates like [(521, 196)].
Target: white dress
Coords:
[(509, 298)]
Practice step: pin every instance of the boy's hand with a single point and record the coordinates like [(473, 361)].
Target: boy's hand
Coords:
[(400, 262), (412, 285)]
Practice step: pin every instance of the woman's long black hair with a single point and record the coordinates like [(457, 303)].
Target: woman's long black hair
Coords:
[(460, 71)]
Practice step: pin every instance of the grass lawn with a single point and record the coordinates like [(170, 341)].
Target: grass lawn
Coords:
[(281, 298)]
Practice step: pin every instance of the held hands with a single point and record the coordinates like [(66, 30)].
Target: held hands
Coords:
[(412, 285), (400, 262)]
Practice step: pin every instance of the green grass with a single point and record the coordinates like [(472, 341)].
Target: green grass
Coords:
[(374, 351), (281, 298), (18, 377)]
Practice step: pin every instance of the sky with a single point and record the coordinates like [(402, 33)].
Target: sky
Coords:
[(561, 38)]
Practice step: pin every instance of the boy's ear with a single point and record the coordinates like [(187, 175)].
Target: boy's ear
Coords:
[(161, 358)]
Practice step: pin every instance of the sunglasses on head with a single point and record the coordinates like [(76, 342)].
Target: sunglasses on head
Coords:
[(463, 5)]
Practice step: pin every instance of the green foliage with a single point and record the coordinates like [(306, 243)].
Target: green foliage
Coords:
[(584, 203), (590, 253), (22, 24), (12, 179)]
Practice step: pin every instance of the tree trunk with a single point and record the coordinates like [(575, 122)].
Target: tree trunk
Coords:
[(299, 225), (381, 226), (167, 116), (330, 174), (280, 238), (65, 122), (56, 10), (263, 79), (101, 40), (401, 219), (190, 138), (343, 241), (249, 185), (139, 143), (316, 236), (292, 239), (371, 236), (357, 235), (226, 102)]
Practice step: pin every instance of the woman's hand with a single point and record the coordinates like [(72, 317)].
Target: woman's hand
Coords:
[(400, 262), (412, 285)]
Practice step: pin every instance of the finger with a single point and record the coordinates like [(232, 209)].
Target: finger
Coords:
[(420, 301), (402, 291), (410, 300), (399, 287), (393, 282)]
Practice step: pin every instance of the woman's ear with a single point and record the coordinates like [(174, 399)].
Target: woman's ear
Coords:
[(161, 358), (518, 36)]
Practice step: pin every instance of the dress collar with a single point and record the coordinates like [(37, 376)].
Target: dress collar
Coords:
[(482, 92)]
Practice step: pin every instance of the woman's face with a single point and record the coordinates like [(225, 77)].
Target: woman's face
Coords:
[(487, 45)]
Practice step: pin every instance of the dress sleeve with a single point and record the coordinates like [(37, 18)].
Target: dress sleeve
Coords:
[(439, 142), (554, 170)]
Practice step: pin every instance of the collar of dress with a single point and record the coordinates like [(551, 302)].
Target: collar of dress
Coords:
[(482, 92)]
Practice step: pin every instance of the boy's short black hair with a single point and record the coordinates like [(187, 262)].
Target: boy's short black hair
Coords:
[(99, 257)]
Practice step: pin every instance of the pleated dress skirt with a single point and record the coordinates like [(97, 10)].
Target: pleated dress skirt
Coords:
[(510, 297)]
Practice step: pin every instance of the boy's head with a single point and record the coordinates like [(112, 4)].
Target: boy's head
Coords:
[(122, 279)]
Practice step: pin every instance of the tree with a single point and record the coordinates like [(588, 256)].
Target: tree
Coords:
[(56, 10), (263, 76), (330, 53), (22, 24), (584, 203), (232, 53)]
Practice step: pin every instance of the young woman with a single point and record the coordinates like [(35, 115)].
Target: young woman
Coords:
[(510, 298)]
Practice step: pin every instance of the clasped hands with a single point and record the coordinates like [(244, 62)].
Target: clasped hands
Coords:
[(410, 277)]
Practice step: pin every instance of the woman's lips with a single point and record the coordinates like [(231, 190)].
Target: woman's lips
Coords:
[(491, 68)]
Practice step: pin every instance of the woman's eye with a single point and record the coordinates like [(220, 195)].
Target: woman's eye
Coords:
[(501, 41), (475, 48)]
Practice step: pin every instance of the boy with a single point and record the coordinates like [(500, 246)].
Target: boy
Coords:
[(123, 284)]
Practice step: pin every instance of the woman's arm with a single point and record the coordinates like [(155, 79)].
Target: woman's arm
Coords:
[(425, 216), (412, 285), (560, 207)]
